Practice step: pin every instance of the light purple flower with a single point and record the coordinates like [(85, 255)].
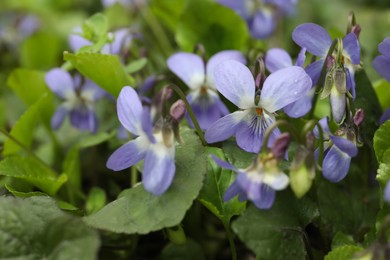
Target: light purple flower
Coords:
[(385, 116), (277, 59), (257, 111), (125, 3), (203, 98), (156, 148), (382, 62), (257, 183), (78, 99), (338, 151), (317, 41), (261, 16), (386, 193)]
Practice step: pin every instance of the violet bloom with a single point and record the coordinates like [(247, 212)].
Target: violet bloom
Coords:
[(203, 97), (277, 59), (338, 152), (261, 15), (381, 63), (317, 41), (257, 183), (257, 111), (78, 99), (386, 193), (155, 146)]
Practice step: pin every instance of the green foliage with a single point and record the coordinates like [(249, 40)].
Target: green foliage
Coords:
[(189, 251), (34, 228), (168, 11), (343, 253), (71, 167), (105, 70), (96, 200), (382, 140), (136, 65), (138, 211), (32, 171), (22, 131), (382, 90), (201, 22), (217, 181), (279, 232)]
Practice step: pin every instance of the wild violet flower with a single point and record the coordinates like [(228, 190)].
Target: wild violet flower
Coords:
[(381, 63), (79, 99), (339, 148), (341, 71), (154, 144), (261, 15), (257, 109), (203, 97), (386, 193), (257, 183), (276, 59)]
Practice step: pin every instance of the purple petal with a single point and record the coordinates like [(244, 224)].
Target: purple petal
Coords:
[(129, 109), (385, 116), (217, 59), (188, 67), (300, 107), (235, 81), (386, 192), (277, 59), (249, 135), (284, 87), (122, 38), (314, 71), (84, 119), (225, 127), (382, 65), (325, 128), (147, 125), (301, 58), (313, 37), (240, 7), (335, 165), (233, 191), (223, 164), (352, 48), (128, 154), (337, 103), (76, 41), (251, 188), (263, 24), (266, 199), (91, 89), (345, 145), (60, 82), (384, 47), (351, 84), (59, 116), (159, 169)]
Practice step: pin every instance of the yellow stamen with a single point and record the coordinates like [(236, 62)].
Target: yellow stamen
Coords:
[(259, 111)]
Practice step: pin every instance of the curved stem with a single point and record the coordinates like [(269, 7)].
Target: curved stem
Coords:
[(321, 146), (230, 237), (191, 113), (291, 129)]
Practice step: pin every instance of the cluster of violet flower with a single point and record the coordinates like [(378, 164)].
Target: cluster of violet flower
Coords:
[(290, 87)]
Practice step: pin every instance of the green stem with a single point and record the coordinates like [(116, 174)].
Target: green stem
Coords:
[(230, 237), (291, 129), (133, 176), (191, 113), (16, 141)]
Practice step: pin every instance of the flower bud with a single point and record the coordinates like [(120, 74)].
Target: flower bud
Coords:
[(178, 110), (302, 172), (280, 145), (358, 117), (340, 80)]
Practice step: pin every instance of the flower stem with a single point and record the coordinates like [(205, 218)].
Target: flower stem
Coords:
[(191, 113), (268, 133), (133, 176), (230, 237), (321, 148)]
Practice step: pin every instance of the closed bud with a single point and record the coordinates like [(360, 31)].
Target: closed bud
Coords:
[(302, 172), (340, 80), (178, 110), (280, 145), (358, 117)]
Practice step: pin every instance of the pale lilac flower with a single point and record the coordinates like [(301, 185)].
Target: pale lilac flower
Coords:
[(386, 193), (78, 99), (317, 41), (382, 62), (125, 3), (155, 146), (257, 111), (385, 116), (257, 183), (203, 97), (261, 15), (338, 151), (277, 59)]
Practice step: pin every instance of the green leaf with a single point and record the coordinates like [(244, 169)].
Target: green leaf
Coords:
[(32, 171), (117, 16), (105, 70), (136, 65), (382, 89), (138, 211), (236, 156), (383, 173), (95, 27), (168, 11), (71, 167), (343, 253), (220, 27), (32, 55), (217, 181), (34, 228), (21, 194), (93, 140), (23, 128), (96, 200), (382, 140), (189, 251), (28, 85), (277, 233)]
